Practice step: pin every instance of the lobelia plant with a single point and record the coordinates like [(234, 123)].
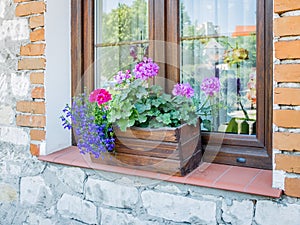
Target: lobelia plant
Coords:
[(132, 101)]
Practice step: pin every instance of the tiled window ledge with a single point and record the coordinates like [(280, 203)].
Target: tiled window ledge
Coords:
[(231, 178)]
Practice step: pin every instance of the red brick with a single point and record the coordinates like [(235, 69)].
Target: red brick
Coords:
[(37, 78), (34, 150), (286, 141), (287, 73), (287, 118), (36, 21), (288, 163), (281, 6), (38, 135), (31, 107), (31, 121), (287, 96), (32, 64), (30, 8), (37, 35), (287, 26), (32, 50), (287, 49), (38, 92), (292, 187)]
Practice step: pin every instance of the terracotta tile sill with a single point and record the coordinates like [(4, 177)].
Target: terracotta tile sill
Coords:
[(231, 178)]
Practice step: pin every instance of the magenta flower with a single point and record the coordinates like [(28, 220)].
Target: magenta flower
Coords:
[(120, 77), (100, 96), (183, 90), (210, 85), (146, 69)]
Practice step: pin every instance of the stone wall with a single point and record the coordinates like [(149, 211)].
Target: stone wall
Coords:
[(33, 192)]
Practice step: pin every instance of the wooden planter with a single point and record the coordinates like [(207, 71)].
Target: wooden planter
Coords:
[(174, 151)]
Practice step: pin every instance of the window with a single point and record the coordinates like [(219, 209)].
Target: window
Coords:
[(230, 40)]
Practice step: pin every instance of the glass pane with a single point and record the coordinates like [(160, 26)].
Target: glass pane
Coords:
[(218, 56), (121, 36)]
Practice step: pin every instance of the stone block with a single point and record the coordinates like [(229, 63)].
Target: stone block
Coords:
[(13, 135), (111, 194), (179, 208), (112, 217), (72, 177), (7, 115), (239, 213), (7, 194), (33, 190), (74, 207), (272, 213)]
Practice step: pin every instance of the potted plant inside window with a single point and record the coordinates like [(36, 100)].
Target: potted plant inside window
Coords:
[(136, 124)]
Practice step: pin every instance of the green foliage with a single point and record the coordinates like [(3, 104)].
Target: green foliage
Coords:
[(141, 105)]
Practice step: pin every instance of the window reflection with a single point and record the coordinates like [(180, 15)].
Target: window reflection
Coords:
[(218, 48)]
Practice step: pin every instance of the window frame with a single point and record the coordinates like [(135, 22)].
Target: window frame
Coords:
[(257, 150)]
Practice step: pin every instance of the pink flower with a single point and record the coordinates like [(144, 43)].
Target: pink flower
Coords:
[(120, 77), (211, 85), (183, 90), (100, 96), (146, 69)]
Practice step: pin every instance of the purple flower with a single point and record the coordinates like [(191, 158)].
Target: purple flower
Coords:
[(120, 77), (146, 69), (183, 90), (211, 85)]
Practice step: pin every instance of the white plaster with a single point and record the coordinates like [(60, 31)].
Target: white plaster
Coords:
[(3, 88), (16, 29), (7, 115), (291, 13), (14, 135), (3, 5), (58, 72), (20, 85)]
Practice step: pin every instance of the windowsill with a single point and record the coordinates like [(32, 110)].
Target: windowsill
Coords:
[(225, 177)]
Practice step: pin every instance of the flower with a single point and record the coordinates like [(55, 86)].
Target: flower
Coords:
[(121, 77), (146, 69), (100, 96), (210, 86), (131, 102), (183, 90)]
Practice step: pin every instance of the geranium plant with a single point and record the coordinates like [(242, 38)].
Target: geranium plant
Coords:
[(132, 101)]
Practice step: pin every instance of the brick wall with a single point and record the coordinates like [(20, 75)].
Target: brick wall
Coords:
[(287, 93), (31, 113)]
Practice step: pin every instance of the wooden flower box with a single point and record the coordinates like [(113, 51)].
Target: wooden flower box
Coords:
[(174, 151)]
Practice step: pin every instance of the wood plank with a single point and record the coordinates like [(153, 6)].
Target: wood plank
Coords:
[(162, 134), (147, 148)]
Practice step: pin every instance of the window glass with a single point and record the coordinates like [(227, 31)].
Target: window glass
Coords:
[(121, 36), (218, 56)]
